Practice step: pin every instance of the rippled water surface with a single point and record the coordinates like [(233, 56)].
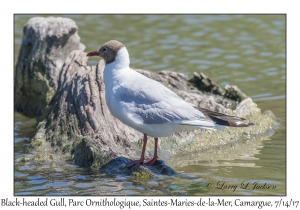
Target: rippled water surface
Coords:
[(243, 50)]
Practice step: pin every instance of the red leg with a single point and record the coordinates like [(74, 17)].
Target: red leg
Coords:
[(154, 159), (141, 160)]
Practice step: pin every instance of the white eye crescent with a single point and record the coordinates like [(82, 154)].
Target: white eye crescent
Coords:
[(104, 49)]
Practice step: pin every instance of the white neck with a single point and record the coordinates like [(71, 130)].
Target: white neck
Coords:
[(122, 60), (113, 71)]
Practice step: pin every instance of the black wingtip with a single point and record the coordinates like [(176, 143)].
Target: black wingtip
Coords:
[(225, 120)]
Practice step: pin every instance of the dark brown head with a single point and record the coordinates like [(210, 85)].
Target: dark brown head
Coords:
[(108, 51)]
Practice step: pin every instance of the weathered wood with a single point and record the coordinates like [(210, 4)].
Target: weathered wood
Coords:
[(46, 44)]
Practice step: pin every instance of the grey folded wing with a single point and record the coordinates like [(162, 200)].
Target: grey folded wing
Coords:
[(155, 104)]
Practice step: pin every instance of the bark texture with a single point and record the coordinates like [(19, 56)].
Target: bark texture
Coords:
[(46, 44)]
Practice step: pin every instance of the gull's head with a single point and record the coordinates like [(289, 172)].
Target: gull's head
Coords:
[(110, 51)]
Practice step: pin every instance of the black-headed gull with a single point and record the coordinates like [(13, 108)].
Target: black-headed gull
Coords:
[(148, 106)]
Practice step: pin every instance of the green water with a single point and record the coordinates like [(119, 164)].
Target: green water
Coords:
[(243, 50)]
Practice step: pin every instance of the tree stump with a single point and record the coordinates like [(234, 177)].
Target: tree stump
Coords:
[(46, 44)]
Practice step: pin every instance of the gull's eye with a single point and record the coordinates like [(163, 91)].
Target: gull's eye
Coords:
[(104, 49)]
